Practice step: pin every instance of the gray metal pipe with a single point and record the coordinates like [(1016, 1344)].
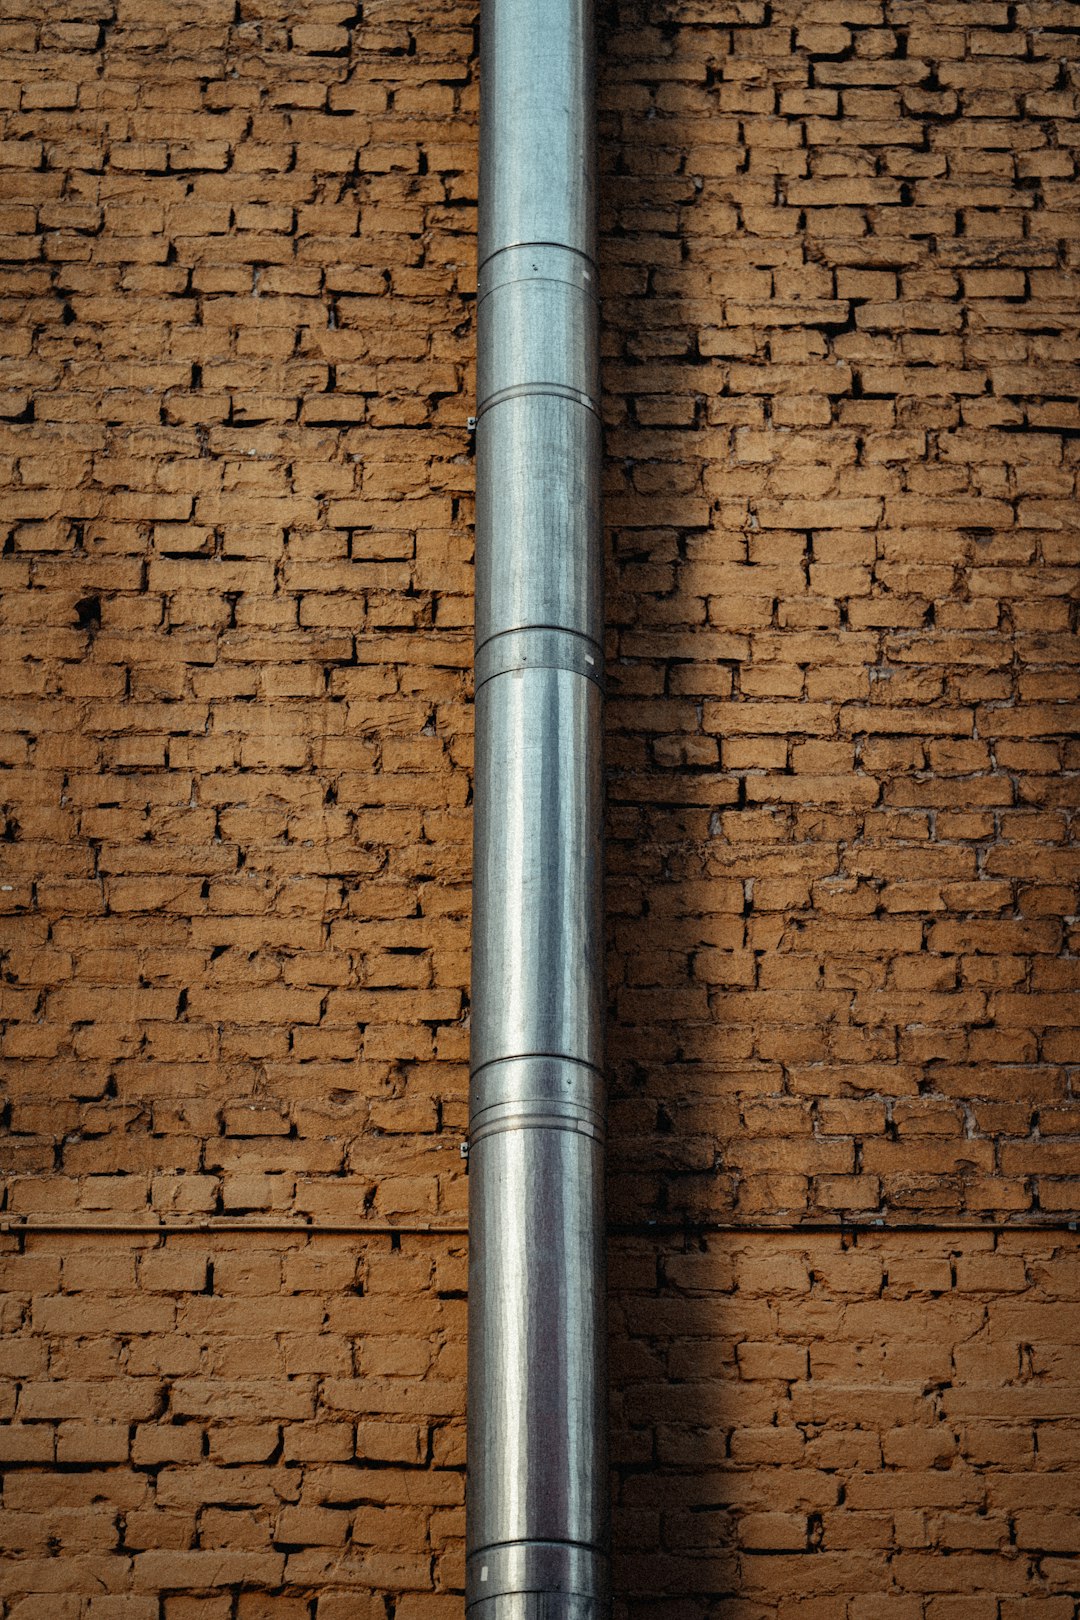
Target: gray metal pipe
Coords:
[(537, 1483)]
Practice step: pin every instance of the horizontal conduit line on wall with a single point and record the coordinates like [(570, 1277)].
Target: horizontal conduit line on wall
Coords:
[(13, 1225)]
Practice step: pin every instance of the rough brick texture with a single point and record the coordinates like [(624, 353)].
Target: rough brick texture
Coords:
[(841, 330), (238, 600), (274, 1422), (883, 1429), (842, 316), (880, 1428)]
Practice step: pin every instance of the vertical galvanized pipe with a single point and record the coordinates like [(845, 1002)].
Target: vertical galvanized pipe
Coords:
[(537, 1485)]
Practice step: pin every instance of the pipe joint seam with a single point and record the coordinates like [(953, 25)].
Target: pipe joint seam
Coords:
[(537, 1077), (538, 647), (537, 261), (569, 1568), (498, 1123), (539, 328), (537, 1093), (539, 390)]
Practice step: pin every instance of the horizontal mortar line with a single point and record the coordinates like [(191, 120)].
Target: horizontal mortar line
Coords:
[(10, 1225), (225, 1223), (1064, 1223)]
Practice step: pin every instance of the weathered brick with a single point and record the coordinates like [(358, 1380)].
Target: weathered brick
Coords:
[(839, 373)]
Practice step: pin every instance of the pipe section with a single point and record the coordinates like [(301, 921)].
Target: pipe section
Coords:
[(537, 1496)]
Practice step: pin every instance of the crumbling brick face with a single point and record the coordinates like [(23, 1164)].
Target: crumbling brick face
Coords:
[(841, 330), (238, 598)]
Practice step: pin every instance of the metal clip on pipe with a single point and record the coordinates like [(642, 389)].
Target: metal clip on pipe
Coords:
[(537, 1498)]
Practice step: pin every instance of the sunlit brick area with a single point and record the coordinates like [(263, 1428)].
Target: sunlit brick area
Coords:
[(842, 321)]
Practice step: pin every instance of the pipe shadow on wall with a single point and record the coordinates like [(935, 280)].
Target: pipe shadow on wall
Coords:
[(674, 924)]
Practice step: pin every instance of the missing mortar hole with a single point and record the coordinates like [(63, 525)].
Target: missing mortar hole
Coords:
[(88, 614)]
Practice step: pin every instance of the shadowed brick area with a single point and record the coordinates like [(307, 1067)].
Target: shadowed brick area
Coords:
[(842, 321), (842, 332), (883, 1429)]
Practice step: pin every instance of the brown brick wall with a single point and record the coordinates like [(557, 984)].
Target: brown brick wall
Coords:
[(842, 324), (238, 600), (812, 1427), (275, 1422), (881, 1427)]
